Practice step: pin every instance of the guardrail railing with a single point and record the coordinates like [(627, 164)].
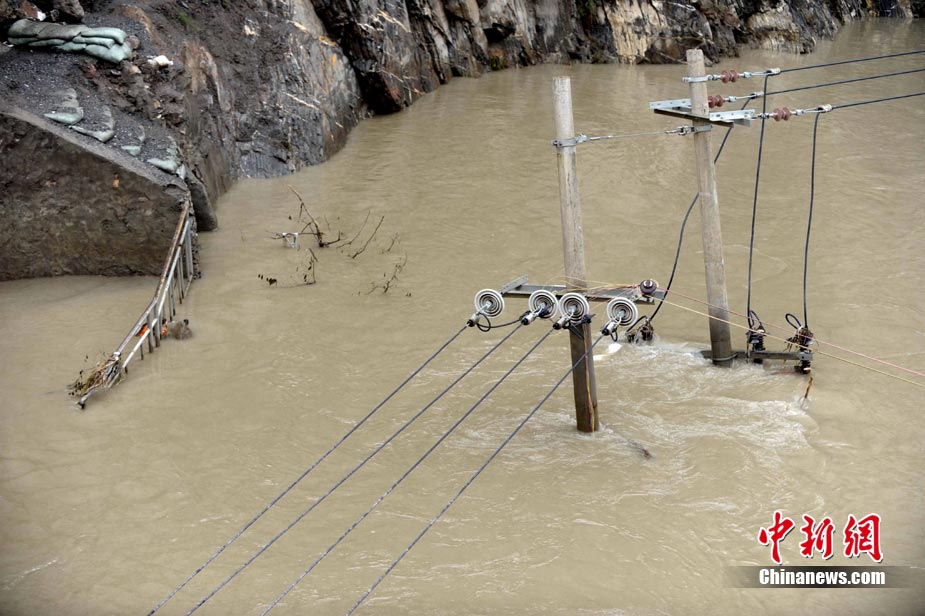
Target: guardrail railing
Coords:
[(172, 288)]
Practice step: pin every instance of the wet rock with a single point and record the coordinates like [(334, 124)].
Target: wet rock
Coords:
[(124, 206), (19, 9), (269, 87), (69, 10)]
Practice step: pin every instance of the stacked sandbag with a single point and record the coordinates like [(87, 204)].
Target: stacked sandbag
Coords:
[(104, 43)]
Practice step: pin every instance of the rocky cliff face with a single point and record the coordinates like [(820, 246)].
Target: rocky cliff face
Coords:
[(261, 88)]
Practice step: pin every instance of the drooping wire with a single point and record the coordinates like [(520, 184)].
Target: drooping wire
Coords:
[(490, 326), (306, 472), (410, 470), (690, 208), (853, 61), (471, 479), (356, 468), (809, 221), (838, 83), (751, 241)]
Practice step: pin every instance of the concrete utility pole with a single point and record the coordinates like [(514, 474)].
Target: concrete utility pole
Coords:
[(709, 217), (574, 248)]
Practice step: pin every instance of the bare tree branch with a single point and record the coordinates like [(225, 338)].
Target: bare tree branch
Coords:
[(369, 239)]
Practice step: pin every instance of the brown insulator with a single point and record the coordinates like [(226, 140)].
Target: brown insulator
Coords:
[(719, 101), (648, 286), (733, 76), (786, 113), (710, 102), (724, 76)]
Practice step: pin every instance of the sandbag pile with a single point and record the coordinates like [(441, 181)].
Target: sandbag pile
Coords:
[(104, 43)]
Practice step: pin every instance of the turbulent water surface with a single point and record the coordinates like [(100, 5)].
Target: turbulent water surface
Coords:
[(106, 511)]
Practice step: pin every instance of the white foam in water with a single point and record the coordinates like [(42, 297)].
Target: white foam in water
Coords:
[(612, 348)]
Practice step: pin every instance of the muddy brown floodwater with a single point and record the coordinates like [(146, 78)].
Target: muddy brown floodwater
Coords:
[(106, 511)]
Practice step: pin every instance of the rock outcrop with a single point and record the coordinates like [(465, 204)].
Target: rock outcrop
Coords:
[(85, 209), (223, 89)]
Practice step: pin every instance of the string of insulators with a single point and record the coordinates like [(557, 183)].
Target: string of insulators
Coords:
[(732, 76), (718, 101), (783, 114)]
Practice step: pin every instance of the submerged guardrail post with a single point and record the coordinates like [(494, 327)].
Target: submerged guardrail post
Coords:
[(574, 248), (714, 266)]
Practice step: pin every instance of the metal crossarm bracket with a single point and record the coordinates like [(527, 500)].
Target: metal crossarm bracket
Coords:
[(681, 108), (520, 287)]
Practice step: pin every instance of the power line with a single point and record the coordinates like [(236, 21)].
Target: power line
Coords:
[(878, 100), (687, 215), (853, 61), (751, 241), (306, 472), (406, 473), (351, 473), (844, 81), (809, 222), (471, 479)]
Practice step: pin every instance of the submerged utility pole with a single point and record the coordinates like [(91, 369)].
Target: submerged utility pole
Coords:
[(574, 248), (714, 265)]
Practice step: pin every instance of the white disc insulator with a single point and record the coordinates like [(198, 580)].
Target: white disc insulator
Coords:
[(575, 306), (489, 302), (543, 299), (622, 311)]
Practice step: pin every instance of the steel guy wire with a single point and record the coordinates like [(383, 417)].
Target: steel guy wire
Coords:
[(406, 473), (306, 472), (474, 476), (341, 481), (680, 130)]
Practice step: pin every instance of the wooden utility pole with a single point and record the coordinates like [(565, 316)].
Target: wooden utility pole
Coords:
[(574, 247), (709, 217)]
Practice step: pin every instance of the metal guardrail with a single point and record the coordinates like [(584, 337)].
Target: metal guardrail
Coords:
[(172, 288)]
